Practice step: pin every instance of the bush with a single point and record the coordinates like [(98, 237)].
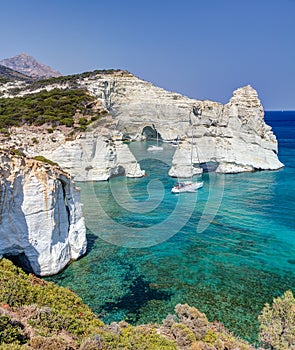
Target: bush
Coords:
[(50, 343), (19, 289), (53, 107), (83, 121), (44, 160), (277, 323), (10, 331)]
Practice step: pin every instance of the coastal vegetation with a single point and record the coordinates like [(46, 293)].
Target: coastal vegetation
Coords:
[(277, 323), (45, 160), (35, 314), (55, 107)]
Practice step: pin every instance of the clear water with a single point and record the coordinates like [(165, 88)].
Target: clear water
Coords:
[(227, 250)]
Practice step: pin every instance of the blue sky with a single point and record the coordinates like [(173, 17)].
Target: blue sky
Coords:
[(202, 49)]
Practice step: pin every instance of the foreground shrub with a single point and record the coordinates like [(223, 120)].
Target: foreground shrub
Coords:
[(277, 323), (50, 302), (50, 343), (10, 331)]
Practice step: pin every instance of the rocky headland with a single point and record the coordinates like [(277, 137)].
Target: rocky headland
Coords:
[(232, 137)]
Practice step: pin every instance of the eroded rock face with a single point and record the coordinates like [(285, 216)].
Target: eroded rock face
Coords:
[(92, 156), (40, 215), (95, 158), (233, 137)]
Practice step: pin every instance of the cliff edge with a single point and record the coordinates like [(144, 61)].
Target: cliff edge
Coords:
[(41, 220)]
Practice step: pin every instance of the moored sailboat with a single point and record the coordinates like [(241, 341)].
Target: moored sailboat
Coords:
[(188, 186), (155, 147)]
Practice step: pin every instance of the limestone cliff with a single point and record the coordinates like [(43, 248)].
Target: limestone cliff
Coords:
[(91, 156), (233, 136), (41, 219)]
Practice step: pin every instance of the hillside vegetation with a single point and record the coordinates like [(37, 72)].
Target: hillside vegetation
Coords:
[(55, 107), (35, 314)]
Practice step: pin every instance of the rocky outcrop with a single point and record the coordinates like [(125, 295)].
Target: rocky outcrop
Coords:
[(234, 137), (231, 138), (91, 156), (41, 219)]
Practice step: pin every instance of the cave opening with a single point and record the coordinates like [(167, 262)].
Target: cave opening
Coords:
[(151, 133)]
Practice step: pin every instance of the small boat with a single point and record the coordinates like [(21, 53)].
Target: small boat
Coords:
[(189, 186), (186, 186), (155, 147), (174, 144)]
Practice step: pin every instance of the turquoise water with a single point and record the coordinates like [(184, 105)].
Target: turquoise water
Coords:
[(227, 250)]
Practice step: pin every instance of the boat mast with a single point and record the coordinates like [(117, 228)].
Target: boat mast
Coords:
[(192, 154), (197, 112)]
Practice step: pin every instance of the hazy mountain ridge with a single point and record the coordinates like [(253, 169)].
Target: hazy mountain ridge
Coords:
[(10, 74), (29, 66)]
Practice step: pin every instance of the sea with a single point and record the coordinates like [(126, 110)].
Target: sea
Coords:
[(227, 249)]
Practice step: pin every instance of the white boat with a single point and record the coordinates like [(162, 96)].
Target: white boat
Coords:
[(187, 186), (155, 147)]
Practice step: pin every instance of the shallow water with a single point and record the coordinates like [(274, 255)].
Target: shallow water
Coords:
[(227, 250)]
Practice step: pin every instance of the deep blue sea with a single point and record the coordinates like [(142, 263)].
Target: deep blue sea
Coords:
[(227, 250)]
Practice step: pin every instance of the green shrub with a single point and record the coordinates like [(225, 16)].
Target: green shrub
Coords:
[(183, 335), (54, 107), (49, 343), (140, 337), (44, 160), (277, 323), (83, 121), (17, 152), (19, 289), (210, 337), (10, 331)]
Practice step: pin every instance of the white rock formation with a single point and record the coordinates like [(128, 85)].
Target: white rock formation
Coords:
[(40, 215), (233, 136), (95, 158), (92, 156)]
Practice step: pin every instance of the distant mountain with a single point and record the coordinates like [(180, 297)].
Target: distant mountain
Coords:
[(10, 74), (28, 65)]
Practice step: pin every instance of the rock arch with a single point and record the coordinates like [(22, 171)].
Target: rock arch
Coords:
[(151, 133)]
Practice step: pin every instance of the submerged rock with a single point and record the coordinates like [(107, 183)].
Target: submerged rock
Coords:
[(41, 220)]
